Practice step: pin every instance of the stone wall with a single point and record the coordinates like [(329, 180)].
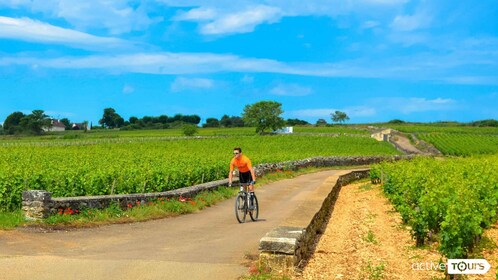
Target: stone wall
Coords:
[(37, 204), (286, 247)]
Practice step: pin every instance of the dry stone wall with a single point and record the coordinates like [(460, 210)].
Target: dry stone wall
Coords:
[(38, 204)]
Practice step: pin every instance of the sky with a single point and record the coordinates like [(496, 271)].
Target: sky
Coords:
[(376, 60)]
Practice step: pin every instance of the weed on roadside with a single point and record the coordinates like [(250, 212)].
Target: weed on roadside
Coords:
[(10, 220), (375, 272)]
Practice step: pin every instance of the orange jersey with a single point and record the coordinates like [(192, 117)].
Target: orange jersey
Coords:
[(243, 164)]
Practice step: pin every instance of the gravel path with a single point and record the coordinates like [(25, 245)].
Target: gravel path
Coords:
[(365, 239)]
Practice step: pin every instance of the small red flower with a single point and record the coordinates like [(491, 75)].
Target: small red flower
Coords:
[(129, 205), (182, 199)]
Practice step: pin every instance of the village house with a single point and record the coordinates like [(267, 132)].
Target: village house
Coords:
[(56, 126)]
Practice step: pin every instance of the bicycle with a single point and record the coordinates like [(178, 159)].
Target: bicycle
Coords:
[(243, 203)]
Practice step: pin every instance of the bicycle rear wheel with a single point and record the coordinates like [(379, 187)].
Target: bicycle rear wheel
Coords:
[(254, 213), (240, 208)]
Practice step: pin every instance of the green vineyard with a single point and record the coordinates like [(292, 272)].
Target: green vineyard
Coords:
[(462, 144), (453, 199), (80, 167)]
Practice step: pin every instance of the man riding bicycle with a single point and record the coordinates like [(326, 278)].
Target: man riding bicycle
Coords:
[(246, 172)]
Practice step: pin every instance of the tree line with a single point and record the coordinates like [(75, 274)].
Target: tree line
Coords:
[(265, 116)]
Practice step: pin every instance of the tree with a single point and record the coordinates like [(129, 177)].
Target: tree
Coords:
[(396, 121), (66, 123), (293, 122), (163, 119), (225, 121), (321, 122), (232, 121), (339, 117), (211, 122), (193, 119), (237, 121), (264, 115), (111, 119), (36, 122), (11, 125), (133, 119)]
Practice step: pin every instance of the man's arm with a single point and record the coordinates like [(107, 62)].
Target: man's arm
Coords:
[(230, 174), (253, 175)]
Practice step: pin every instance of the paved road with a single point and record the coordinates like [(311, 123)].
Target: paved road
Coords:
[(209, 244)]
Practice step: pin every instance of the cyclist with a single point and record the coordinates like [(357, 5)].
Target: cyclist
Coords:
[(246, 172)]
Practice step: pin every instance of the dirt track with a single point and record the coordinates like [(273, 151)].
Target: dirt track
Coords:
[(209, 244)]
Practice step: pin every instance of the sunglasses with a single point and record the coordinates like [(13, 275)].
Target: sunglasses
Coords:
[(236, 153)]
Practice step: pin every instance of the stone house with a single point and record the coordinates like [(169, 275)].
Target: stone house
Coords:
[(383, 134)]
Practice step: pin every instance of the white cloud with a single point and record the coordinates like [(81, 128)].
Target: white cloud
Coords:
[(428, 67), (291, 90), (473, 80), (370, 24), (181, 84), (408, 105), (420, 19), (198, 14), (26, 29), (117, 16), (312, 113), (58, 114), (406, 23), (247, 79), (360, 111), (325, 113), (242, 21), (128, 89)]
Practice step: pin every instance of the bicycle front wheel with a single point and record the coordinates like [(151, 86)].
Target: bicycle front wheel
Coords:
[(240, 208), (254, 212)]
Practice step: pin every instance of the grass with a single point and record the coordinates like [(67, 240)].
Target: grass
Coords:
[(9, 220), (375, 272), (161, 208), (370, 237)]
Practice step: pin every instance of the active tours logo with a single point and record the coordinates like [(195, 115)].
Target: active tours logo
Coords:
[(457, 266), (470, 266)]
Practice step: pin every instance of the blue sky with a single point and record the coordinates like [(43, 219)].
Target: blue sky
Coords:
[(376, 60)]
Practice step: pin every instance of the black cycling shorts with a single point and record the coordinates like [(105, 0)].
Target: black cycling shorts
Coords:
[(245, 177)]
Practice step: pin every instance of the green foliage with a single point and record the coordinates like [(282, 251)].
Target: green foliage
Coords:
[(35, 122), (11, 125), (484, 123), (232, 121), (293, 122), (67, 123), (321, 122), (396, 121), (455, 139), (339, 117), (111, 119), (189, 129), (135, 163), (462, 144), (456, 198), (211, 122), (9, 220), (264, 115)]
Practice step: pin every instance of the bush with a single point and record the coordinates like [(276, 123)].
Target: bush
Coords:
[(189, 129)]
